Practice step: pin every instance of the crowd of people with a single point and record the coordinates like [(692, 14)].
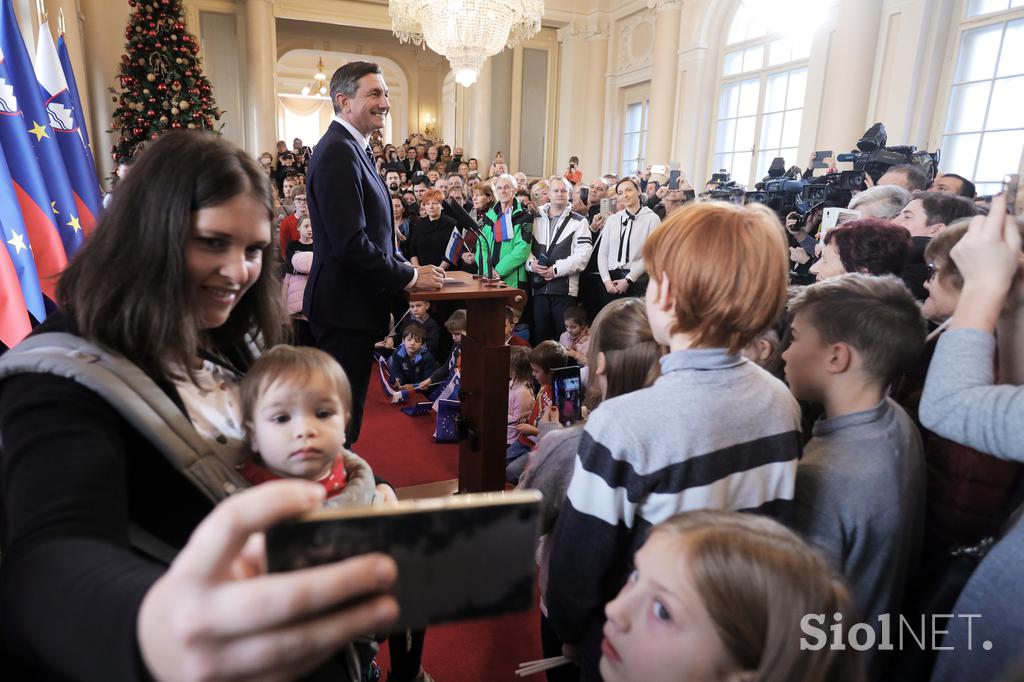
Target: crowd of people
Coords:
[(783, 422)]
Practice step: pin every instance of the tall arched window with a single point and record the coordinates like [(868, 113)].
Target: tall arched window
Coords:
[(983, 133), (763, 83)]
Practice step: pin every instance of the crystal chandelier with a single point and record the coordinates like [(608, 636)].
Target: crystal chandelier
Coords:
[(465, 31), (319, 83)]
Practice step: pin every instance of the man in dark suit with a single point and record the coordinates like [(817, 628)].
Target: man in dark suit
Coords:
[(355, 268)]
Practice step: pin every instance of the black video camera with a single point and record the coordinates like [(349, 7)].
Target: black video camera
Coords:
[(873, 157)]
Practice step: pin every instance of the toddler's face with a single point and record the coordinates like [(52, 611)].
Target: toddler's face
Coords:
[(412, 345), (457, 338), (298, 427), (539, 375), (658, 628)]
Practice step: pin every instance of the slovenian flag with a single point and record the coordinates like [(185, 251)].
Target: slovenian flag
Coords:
[(391, 394), (67, 121), (456, 244), (503, 228), (21, 82)]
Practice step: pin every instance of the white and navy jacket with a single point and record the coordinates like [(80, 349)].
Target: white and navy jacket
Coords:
[(570, 252), (622, 242)]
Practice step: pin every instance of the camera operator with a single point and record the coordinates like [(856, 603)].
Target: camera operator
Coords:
[(910, 178), (884, 201), (573, 173), (802, 244), (951, 183)]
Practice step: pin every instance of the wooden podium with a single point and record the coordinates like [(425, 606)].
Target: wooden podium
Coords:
[(484, 391)]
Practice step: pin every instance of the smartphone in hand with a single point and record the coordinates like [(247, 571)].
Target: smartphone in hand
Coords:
[(459, 557), (568, 394), (819, 158)]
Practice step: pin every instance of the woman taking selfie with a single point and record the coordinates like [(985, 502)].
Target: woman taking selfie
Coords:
[(173, 281)]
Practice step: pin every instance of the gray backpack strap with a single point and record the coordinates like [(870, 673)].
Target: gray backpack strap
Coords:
[(135, 396)]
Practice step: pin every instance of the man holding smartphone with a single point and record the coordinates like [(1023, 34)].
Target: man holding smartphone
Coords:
[(562, 243)]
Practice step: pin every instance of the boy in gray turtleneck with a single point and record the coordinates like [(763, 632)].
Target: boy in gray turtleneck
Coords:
[(860, 486)]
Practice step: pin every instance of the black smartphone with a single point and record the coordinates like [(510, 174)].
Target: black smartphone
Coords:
[(568, 394), (819, 158), (673, 179), (459, 557)]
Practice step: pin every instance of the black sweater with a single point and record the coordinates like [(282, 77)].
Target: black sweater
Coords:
[(428, 240)]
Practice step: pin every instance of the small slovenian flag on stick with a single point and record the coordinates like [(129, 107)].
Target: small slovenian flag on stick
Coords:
[(456, 243), (503, 228)]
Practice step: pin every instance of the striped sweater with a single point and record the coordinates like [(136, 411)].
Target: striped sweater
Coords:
[(714, 431)]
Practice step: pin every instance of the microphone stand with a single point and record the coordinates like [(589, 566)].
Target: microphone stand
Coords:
[(468, 223)]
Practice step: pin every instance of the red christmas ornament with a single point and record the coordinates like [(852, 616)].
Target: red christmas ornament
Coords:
[(161, 87), (137, 131), (175, 124)]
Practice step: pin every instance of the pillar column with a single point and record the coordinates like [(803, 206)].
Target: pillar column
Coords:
[(583, 67), (663, 79), (846, 88), (101, 65), (478, 138), (261, 68)]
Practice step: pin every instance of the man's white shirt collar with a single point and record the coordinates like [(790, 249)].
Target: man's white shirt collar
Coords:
[(360, 139)]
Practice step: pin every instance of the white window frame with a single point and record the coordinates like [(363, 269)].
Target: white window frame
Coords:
[(645, 112), (961, 25), (763, 74)]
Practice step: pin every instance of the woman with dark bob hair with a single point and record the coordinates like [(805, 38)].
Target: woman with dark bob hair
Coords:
[(173, 280), (870, 245)]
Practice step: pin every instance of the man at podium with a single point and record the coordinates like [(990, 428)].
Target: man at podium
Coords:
[(355, 267)]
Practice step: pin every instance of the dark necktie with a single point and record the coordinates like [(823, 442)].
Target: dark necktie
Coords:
[(626, 231), (369, 155)]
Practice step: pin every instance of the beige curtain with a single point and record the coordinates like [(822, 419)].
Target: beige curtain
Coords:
[(302, 106)]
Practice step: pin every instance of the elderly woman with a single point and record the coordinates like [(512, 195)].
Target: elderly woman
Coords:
[(868, 245), (174, 283), (884, 201), (503, 248)]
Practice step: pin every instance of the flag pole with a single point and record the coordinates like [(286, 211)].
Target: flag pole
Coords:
[(41, 9), (60, 21)]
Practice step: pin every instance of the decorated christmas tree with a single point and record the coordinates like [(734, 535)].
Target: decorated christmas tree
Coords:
[(162, 81)]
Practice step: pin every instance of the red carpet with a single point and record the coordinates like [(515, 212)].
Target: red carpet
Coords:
[(401, 450)]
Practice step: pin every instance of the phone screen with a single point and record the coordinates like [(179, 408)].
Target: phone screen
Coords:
[(606, 206), (568, 392), (673, 179)]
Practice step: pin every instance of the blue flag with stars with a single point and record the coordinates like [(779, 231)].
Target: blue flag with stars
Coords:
[(67, 121), (22, 78), (19, 248)]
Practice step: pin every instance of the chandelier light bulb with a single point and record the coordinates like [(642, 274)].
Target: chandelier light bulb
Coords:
[(305, 90), (465, 77), (323, 90)]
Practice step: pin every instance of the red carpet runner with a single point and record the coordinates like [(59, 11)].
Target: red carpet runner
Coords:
[(401, 450)]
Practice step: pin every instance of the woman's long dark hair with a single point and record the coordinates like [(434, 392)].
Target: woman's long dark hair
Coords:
[(127, 289)]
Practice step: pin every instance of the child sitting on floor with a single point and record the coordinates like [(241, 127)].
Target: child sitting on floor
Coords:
[(295, 403), (520, 391), (456, 326), (544, 359), (511, 337), (412, 364), (419, 313), (576, 337)]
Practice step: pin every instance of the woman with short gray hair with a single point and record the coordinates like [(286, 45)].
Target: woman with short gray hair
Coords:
[(884, 201)]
